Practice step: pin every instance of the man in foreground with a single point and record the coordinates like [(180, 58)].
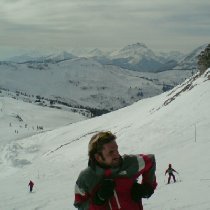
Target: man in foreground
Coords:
[(110, 180)]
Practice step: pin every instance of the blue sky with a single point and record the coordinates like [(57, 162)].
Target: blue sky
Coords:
[(163, 25)]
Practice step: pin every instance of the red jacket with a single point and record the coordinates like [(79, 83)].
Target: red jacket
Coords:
[(124, 177)]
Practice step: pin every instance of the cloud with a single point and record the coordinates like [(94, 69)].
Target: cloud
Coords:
[(104, 23)]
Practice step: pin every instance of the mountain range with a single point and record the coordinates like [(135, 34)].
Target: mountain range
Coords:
[(100, 82), (136, 57)]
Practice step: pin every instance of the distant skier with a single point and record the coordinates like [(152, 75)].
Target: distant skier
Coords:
[(31, 184), (170, 171)]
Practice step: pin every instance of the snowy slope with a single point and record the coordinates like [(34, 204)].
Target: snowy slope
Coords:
[(164, 125), (20, 120), (18, 114), (78, 81)]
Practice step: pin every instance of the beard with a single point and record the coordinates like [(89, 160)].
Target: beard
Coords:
[(114, 164)]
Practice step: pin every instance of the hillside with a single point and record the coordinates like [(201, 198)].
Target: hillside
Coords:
[(85, 82), (19, 120), (164, 125)]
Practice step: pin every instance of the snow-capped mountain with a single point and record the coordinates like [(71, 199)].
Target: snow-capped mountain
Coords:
[(136, 57), (136, 51), (174, 126)]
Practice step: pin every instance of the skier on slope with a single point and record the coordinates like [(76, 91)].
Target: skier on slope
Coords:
[(170, 171), (31, 184)]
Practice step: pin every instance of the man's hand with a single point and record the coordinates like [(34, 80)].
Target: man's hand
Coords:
[(105, 192), (141, 191)]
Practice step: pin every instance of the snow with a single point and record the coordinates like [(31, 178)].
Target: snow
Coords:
[(19, 120), (56, 157)]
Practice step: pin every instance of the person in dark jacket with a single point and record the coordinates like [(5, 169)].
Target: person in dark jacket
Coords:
[(110, 180), (31, 185), (170, 171)]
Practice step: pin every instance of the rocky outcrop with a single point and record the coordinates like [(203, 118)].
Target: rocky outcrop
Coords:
[(204, 60)]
